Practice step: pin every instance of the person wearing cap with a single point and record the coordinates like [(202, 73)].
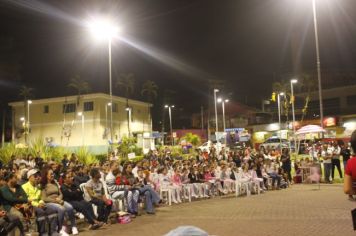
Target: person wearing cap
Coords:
[(45, 214)]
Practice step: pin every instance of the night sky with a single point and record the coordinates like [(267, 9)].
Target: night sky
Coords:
[(248, 43)]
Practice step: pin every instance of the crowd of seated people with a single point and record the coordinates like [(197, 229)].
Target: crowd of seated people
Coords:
[(51, 195)]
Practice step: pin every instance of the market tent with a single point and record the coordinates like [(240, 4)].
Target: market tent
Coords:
[(310, 129)]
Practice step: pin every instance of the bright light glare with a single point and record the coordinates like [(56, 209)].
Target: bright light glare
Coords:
[(80, 113), (29, 101), (103, 28), (216, 90), (22, 119), (109, 104), (219, 99), (282, 94), (227, 100), (166, 106), (172, 106), (294, 81)]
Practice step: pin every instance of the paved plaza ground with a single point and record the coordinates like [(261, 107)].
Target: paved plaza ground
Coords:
[(299, 210)]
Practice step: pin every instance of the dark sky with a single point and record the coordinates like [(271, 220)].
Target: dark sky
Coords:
[(247, 43)]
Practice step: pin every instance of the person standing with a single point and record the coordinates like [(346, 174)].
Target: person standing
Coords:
[(286, 163), (345, 153), (335, 161), (326, 154), (350, 171)]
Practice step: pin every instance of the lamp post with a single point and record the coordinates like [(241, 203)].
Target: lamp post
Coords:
[(27, 133), (169, 107), (128, 109), (105, 29), (293, 81), (279, 119), (216, 111), (82, 116), (106, 114), (223, 101), (318, 63)]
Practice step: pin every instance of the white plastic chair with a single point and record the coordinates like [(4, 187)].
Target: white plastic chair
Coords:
[(168, 191), (87, 197)]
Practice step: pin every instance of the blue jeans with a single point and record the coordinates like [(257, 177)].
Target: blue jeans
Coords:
[(151, 197), (44, 216), (61, 211), (132, 200)]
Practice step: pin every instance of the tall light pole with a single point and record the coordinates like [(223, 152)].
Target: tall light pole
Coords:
[(82, 116), (29, 102), (128, 109), (105, 29), (279, 119), (223, 101), (216, 111), (293, 81), (169, 107), (318, 63), (106, 114)]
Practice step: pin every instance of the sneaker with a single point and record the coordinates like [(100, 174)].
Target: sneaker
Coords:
[(75, 230), (63, 232)]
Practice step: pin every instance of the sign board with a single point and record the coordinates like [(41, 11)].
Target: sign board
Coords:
[(329, 121), (131, 155), (174, 134)]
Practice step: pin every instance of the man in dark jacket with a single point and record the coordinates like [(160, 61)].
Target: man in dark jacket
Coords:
[(74, 196)]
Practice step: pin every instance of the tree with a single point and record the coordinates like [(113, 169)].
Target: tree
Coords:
[(309, 84), (150, 90), (192, 138), (283, 87), (80, 85), (126, 83)]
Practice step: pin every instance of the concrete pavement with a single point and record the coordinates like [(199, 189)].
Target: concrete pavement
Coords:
[(299, 210)]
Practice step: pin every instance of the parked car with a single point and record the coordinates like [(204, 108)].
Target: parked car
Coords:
[(275, 143)]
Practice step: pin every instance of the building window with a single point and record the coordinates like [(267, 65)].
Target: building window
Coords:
[(351, 100), (88, 106), (69, 108), (114, 107), (46, 109)]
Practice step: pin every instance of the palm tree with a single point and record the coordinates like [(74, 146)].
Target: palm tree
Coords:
[(309, 84), (150, 90), (283, 87), (126, 83), (80, 85), (26, 93)]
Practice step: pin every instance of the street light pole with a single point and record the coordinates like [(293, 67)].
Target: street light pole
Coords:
[(82, 116), (318, 63), (293, 81), (169, 107), (105, 29), (216, 111), (128, 109), (28, 122), (279, 119), (110, 84)]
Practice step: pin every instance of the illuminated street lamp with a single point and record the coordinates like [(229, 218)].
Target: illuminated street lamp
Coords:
[(318, 63), (293, 81), (82, 116), (105, 29), (223, 101), (129, 110), (169, 107), (216, 111)]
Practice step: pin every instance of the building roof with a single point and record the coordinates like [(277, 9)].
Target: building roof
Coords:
[(83, 96)]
